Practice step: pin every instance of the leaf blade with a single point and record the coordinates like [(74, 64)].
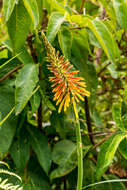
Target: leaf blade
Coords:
[(25, 83)]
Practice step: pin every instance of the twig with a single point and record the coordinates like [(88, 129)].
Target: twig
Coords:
[(32, 50), (103, 69), (10, 73), (101, 142), (88, 120), (82, 6), (77, 27), (40, 107)]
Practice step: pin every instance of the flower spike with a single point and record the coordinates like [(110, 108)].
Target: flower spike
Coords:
[(66, 86)]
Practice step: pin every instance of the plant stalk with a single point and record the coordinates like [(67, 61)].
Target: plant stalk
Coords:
[(80, 155)]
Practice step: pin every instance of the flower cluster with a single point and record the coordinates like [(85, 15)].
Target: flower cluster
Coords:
[(66, 86)]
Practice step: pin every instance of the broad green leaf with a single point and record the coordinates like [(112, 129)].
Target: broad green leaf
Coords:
[(40, 146), (20, 152), (39, 182), (23, 56), (102, 34), (116, 113), (25, 83), (32, 8), (107, 153), (18, 26), (123, 148), (8, 6), (54, 24), (120, 7), (65, 155), (65, 41), (7, 130), (62, 151)]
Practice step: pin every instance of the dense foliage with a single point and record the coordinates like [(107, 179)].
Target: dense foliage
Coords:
[(40, 42)]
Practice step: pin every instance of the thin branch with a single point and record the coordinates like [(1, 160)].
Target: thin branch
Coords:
[(88, 120), (10, 73), (32, 50), (103, 69), (40, 107), (82, 6), (77, 27), (101, 142)]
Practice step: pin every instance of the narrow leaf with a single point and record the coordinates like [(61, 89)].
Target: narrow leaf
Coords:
[(7, 129), (103, 36), (8, 6), (123, 148), (55, 21), (65, 41), (116, 113), (25, 83), (107, 153), (18, 26), (40, 146), (32, 8), (121, 12)]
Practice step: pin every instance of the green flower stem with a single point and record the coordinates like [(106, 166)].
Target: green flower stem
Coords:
[(80, 155)]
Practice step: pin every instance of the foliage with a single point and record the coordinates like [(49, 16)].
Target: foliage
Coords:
[(61, 50)]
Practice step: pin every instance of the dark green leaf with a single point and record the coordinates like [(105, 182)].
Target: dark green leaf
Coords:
[(40, 146), (65, 155), (18, 26), (20, 152), (7, 130), (25, 83)]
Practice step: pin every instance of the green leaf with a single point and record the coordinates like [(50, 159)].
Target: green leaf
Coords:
[(18, 26), (120, 7), (65, 41), (40, 7), (40, 146), (123, 148), (80, 60), (107, 153), (54, 24), (24, 56), (7, 130), (32, 8), (116, 113), (8, 6), (20, 152), (65, 155), (25, 83), (35, 101), (102, 34)]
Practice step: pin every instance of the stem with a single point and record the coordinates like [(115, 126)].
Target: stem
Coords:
[(80, 155), (79, 147), (88, 120)]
